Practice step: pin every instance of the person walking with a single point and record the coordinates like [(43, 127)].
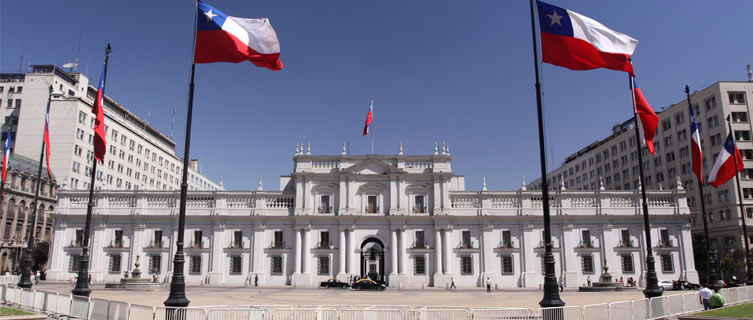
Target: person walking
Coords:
[(562, 286), (704, 295), (452, 283), (589, 280), (39, 275), (488, 285), (716, 300), (256, 280)]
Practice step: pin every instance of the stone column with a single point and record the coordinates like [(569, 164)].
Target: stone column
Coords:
[(393, 252), (97, 255), (216, 256), (297, 255), (438, 253), (401, 252), (352, 252), (487, 246), (341, 259), (258, 250), (449, 259), (306, 259)]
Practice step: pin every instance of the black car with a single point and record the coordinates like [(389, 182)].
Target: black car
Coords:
[(334, 283), (368, 284), (690, 286)]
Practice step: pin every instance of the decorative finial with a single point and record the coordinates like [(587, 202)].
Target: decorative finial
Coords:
[(260, 187), (562, 185), (308, 149), (483, 184), (221, 185), (679, 184), (400, 153), (436, 149), (448, 148), (344, 152), (444, 148), (601, 184), (297, 149), (523, 184)]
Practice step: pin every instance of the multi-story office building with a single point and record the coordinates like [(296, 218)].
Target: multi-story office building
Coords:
[(138, 156), (20, 186), (407, 220), (613, 161)]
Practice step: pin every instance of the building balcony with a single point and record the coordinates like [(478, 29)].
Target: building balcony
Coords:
[(235, 245), (626, 244), (324, 245), (277, 245), (155, 246), (75, 244), (196, 245), (665, 244), (420, 245), (421, 209), (372, 209), (587, 244), (115, 244), (466, 245), (541, 247), (325, 209), (506, 245)]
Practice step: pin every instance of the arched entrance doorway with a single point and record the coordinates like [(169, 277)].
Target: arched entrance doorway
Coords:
[(372, 259)]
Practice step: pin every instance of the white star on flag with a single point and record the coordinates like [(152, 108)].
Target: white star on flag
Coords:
[(555, 18), (209, 15)]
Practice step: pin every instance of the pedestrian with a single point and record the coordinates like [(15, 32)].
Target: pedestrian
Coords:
[(37, 276), (621, 280), (154, 278), (589, 281), (256, 280), (488, 285), (562, 286), (89, 278), (350, 279), (704, 295), (452, 283), (716, 300)]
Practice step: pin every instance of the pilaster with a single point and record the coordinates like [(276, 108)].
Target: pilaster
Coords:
[(216, 258)]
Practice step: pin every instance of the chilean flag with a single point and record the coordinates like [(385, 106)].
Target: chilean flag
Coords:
[(223, 38), (6, 155), (649, 119), (695, 147), (46, 139), (100, 145), (368, 119), (725, 167), (577, 42)]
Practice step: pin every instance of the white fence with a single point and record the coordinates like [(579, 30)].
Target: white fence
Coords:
[(64, 305)]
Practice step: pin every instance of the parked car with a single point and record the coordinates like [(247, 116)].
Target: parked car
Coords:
[(666, 284), (690, 286), (367, 284), (334, 283)]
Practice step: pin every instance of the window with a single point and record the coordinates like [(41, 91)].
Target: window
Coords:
[(236, 265), (668, 141), (371, 206), (625, 238), (710, 103), (466, 265), (418, 205), (18, 103), (74, 263), (276, 265), (723, 195), (324, 239), (507, 265), (79, 240), (666, 263), (466, 239), (324, 206), (195, 264), (742, 135), (680, 118), (713, 121), (197, 239), (734, 97), (117, 240), (506, 239), (323, 265), (586, 239), (419, 265), (155, 264), (10, 103), (716, 139), (157, 241), (237, 239), (278, 243), (114, 264), (666, 124), (627, 263), (588, 264), (739, 117), (82, 117), (729, 242), (664, 238)]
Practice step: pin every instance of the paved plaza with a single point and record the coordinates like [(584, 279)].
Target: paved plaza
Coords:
[(233, 296)]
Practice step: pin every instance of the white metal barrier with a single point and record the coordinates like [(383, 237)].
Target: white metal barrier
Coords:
[(27, 298), (51, 302), (596, 311), (64, 304), (691, 302), (503, 313), (99, 308), (622, 310), (165, 313), (139, 312), (117, 310), (674, 304), (641, 309), (658, 307), (39, 300), (438, 313), (80, 307), (235, 314), (560, 313), (304, 314), (371, 314)]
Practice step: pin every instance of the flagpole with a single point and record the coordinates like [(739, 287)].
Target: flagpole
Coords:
[(652, 281), (177, 296), (372, 126), (551, 294), (710, 252), (749, 265), (25, 280)]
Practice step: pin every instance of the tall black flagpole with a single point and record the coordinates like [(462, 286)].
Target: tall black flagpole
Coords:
[(551, 293), (177, 296), (25, 280), (749, 265), (652, 281), (710, 252)]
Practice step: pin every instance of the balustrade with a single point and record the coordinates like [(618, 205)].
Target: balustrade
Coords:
[(326, 164), (419, 164)]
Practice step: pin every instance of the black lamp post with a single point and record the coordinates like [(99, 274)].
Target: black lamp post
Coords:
[(749, 265)]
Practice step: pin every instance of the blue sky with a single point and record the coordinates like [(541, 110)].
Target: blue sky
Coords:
[(455, 71)]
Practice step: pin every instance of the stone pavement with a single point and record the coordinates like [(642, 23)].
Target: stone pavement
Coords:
[(235, 295)]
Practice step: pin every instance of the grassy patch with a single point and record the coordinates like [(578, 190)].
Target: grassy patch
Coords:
[(12, 312), (744, 311)]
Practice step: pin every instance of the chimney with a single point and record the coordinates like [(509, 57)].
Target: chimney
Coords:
[(193, 164), (750, 74)]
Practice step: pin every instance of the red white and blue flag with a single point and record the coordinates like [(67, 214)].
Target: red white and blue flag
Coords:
[(695, 147), (6, 155), (649, 119), (100, 145), (223, 38), (369, 118), (725, 166), (577, 42), (46, 139)]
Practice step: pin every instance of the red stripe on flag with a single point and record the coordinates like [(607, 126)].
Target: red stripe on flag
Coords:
[(576, 54), (221, 46)]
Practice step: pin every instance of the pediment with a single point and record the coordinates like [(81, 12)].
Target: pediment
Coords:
[(371, 185), (325, 186), (418, 185), (373, 167)]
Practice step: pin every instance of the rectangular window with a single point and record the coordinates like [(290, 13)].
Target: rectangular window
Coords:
[(666, 263), (627, 263), (418, 206), (710, 103), (117, 241), (197, 243), (323, 265), (324, 240), (507, 265), (236, 265), (82, 117), (506, 239), (466, 236), (419, 265), (736, 97), (195, 265), (588, 264), (79, 238), (155, 264), (114, 264), (420, 240), (466, 265), (237, 239), (625, 238), (18, 103), (371, 206), (586, 239), (276, 265), (324, 206)]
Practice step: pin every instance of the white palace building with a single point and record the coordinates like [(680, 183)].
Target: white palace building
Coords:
[(406, 220)]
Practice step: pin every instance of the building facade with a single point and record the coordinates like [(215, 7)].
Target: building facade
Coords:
[(614, 161), (17, 206), (138, 156), (406, 220)]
